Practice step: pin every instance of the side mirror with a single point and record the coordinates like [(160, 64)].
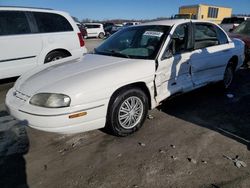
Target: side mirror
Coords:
[(168, 54)]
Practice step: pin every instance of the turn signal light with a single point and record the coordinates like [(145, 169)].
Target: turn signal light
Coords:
[(80, 114)]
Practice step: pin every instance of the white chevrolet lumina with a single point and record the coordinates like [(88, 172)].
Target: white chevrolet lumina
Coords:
[(131, 72)]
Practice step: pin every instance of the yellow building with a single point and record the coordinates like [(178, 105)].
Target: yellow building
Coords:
[(205, 12)]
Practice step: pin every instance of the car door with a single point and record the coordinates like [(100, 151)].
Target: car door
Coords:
[(172, 74), (18, 46), (211, 54)]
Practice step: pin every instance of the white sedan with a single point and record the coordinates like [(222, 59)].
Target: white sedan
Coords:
[(131, 72)]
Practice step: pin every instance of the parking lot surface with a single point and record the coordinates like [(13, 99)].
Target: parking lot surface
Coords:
[(185, 142)]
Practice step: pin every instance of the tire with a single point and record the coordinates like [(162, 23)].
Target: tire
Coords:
[(228, 76), (53, 56), (127, 112), (101, 35)]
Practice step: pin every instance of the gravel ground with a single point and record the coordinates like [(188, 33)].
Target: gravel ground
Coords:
[(182, 144)]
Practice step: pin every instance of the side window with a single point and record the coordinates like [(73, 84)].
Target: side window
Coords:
[(204, 36), (50, 22), (180, 39), (97, 26), (222, 36), (13, 23), (88, 26)]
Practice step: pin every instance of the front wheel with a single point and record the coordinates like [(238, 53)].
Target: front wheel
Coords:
[(228, 76), (127, 112)]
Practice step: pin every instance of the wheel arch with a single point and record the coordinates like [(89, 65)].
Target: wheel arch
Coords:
[(234, 62), (58, 50), (140, 85)]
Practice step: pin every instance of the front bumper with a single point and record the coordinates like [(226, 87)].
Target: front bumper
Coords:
[(58, 121)]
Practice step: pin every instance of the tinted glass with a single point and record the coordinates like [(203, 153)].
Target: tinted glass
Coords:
[(142, 42), (222, 36), (233, 20), (92, 26), (243, 28), (49, 22), (180, 39), (205, 36), (13, 22)]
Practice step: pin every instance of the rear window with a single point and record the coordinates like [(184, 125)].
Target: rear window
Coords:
[(233, 20), (13, 23), (50, 22), (94, 26)]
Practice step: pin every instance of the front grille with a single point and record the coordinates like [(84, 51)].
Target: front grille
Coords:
[(21, 96)]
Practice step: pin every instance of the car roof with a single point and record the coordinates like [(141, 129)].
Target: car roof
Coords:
[(233, 17), (93, 23), (34, 9), (174, 22)]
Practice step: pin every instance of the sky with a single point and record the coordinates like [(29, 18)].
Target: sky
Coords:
[(125, 9)]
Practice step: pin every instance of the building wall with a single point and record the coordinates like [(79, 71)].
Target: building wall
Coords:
[(189, 10), (201, 11), (222, 13)]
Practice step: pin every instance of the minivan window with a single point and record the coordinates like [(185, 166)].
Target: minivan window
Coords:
[(50, 22), (13, 23), (93, 26)]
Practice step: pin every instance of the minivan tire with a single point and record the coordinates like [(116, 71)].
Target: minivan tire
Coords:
[(53, 56), (101, 35)]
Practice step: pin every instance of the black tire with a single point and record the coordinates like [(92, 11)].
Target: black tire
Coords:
[(114, 118), (53, 56), (228, 76), (101, 35)]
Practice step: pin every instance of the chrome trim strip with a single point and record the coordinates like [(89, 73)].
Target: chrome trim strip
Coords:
[(63, 113), (5, 60)]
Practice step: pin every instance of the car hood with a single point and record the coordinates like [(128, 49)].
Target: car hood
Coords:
[(91, 74), (244, 38)]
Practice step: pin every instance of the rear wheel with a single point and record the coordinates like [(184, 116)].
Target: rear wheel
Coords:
[(228, 76), (53, 56), (101, 35), (127, 112)]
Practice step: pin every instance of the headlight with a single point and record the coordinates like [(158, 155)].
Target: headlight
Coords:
[(50, 100)]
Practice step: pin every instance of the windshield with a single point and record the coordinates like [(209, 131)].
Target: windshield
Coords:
[(140, 42), (243, 28)]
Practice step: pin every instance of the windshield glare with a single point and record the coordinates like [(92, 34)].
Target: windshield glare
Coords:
[(243, 28), (139, 42)]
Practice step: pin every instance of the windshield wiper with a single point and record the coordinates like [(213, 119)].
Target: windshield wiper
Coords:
[(116, 53), (111, 53)]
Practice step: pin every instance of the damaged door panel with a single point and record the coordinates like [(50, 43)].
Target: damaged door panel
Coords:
[(210, 55)]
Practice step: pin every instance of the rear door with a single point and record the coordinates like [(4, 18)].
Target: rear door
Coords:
[(211, 54), (19, 48)]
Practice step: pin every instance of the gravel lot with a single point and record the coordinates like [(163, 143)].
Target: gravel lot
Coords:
[(181, 145)]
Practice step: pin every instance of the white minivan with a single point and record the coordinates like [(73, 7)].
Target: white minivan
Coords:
[(95, 30), (32, 36)]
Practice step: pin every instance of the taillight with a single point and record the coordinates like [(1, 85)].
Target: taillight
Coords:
[(82, 43)]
